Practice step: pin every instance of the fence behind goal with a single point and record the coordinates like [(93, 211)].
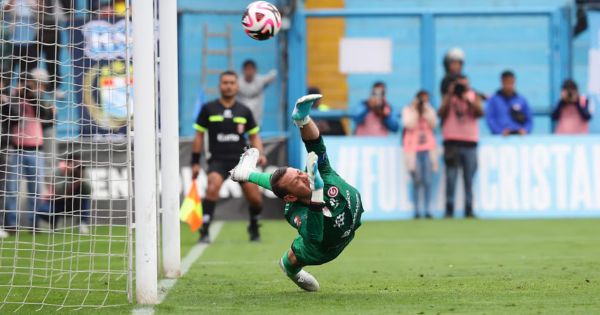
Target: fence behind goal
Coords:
[(65, 155)]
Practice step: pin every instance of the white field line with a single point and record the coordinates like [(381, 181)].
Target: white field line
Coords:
[(165, 285)]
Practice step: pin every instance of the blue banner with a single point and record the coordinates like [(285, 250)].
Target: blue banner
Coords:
[(518, 177), (99, 52)]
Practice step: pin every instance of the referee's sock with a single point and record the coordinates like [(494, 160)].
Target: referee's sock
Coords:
[(254, 214), (208, 208)]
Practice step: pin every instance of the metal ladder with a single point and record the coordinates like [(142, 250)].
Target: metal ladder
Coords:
[(207, 52)]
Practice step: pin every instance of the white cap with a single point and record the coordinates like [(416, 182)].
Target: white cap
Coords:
[(455, 54), (40, 74)]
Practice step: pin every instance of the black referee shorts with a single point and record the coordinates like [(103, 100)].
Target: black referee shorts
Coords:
[(221, 166)]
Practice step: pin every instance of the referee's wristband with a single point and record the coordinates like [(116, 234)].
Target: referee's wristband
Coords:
[(195, 158)]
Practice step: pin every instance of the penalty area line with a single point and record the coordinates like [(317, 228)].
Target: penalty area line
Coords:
[(165, 285)]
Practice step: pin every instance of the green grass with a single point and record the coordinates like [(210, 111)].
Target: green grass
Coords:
[(63, 269), (409, 267)]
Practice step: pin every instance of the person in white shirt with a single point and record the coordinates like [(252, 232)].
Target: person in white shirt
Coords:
[(252, 87)]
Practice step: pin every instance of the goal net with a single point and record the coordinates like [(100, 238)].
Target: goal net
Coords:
[(65, 155)]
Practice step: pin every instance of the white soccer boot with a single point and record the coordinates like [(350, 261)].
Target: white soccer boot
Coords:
[(302, 279), (3, 233), (246, 165)]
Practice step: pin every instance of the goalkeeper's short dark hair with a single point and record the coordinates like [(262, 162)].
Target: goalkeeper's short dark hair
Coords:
[(275, 178)]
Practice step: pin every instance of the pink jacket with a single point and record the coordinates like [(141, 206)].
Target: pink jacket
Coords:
[(418, 135), (372, 126), (28, 132), (461, 124), (570, 121)]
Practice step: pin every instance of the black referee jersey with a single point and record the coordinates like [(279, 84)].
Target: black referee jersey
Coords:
[(226, 128)]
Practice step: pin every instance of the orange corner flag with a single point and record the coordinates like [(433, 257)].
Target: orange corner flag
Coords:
[(191, 209)]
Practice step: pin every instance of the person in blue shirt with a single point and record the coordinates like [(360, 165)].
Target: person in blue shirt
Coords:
[(508, 112)]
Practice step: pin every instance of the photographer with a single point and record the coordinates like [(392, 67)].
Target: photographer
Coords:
[(508, 112), (454, 62), (572, 112), (460, 110), (25, 155), (375, 116), (419, 120)]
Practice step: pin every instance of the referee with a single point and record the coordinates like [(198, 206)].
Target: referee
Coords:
[(226, 121)]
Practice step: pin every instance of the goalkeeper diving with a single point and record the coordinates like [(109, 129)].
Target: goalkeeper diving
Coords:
[(324, 209)]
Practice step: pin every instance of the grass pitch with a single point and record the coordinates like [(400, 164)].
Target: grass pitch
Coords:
[(63, 271), (408, 267), (403, 267)]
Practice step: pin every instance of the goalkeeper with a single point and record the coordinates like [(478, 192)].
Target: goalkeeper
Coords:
[(325, 210)]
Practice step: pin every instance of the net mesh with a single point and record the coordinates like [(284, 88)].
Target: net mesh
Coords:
[(65, 159)]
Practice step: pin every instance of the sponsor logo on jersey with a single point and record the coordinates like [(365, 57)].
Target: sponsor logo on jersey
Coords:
[(347, 233), (229, 137), (227, 113), (334, 203), (332, 191), (326, 212), (297, 221), (339, 220)]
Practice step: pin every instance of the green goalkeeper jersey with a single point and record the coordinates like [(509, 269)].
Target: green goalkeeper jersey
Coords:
[(329, 230)]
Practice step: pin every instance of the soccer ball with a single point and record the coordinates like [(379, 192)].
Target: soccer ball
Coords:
[(261, 20)]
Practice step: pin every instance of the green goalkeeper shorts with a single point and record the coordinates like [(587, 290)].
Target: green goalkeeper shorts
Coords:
[(311, 254)]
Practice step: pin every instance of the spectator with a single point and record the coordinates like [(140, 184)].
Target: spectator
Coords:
[(6, 50), (22, 16), (104, 10), (252, 88), (39, 86), (6, 111), (454, 61), (508, 112), (572, 112), (460, 109), (419, 120), (71, 193), (25, 155), (376, 116), (51, 13), (330, 126)]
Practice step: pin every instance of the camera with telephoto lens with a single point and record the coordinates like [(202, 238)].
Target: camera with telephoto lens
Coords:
[(459, 89), (572, 96)]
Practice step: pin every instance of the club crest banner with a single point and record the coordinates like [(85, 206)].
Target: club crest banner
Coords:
[(102, 71)]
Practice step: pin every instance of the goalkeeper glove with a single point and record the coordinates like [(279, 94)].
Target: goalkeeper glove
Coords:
[(302, 109), (316, 182)]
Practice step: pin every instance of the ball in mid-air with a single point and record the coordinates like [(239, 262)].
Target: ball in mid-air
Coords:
[(261, 20)]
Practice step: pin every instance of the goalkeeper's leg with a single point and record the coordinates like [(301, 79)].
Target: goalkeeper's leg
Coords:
[(300, 115), (292, 268)]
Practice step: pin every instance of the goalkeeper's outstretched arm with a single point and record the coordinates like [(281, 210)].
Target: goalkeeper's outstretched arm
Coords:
[(310, 131)]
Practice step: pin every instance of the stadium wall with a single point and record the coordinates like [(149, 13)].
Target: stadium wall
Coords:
[(106, 168), (535, 45), (193, 15)]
